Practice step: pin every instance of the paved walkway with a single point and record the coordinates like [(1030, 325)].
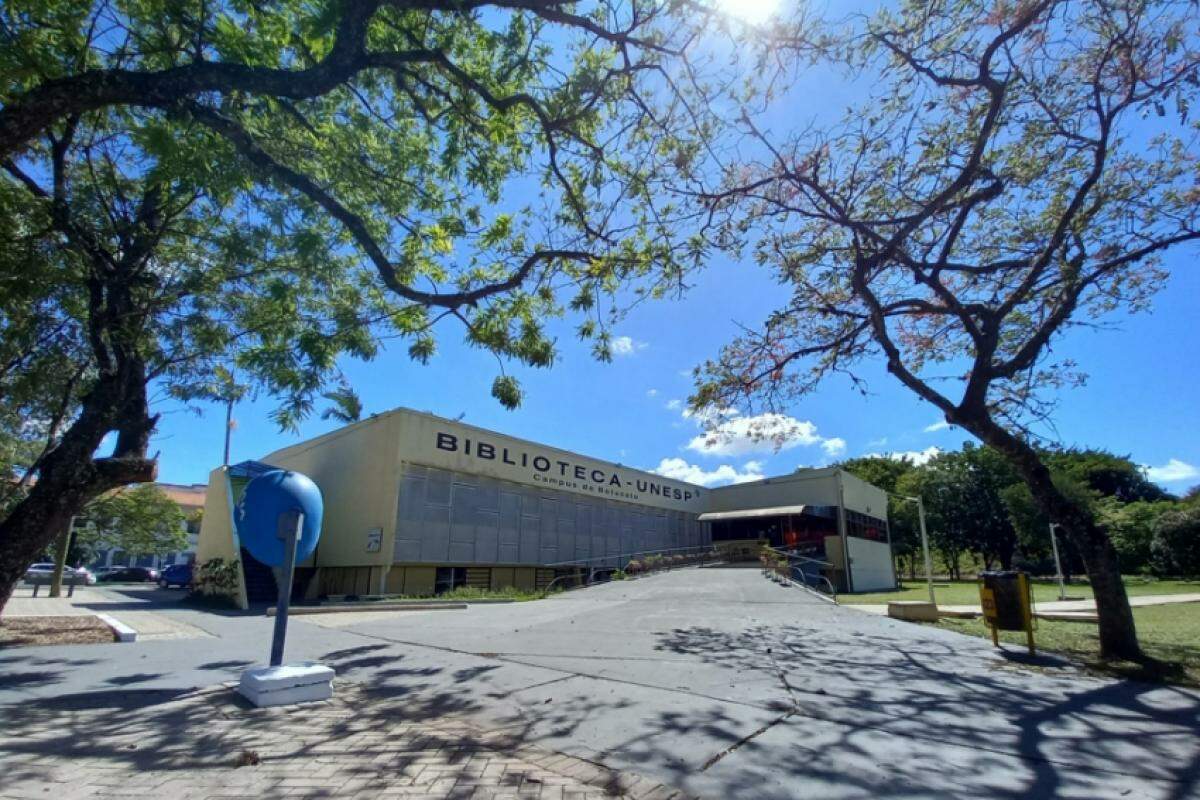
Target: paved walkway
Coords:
[(1082, 607), (135, 608), (718, 683), (212, 744)]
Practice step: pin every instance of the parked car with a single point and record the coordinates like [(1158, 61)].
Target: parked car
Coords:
[(43, 572), (176, 575), (131, 575), (39, 571)]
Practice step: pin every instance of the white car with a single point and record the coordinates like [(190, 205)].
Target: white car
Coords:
[(44, 571)]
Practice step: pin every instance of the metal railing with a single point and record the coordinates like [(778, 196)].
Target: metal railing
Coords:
[(620, 560), (612, 564), (796, 564)]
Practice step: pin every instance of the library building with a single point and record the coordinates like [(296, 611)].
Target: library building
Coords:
[(418, 505)]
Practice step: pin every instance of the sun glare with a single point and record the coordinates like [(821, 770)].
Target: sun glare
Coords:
[(753, 12)]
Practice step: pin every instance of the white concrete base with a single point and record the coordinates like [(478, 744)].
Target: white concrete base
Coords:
[(303, 682), (912, 610), (124, 632)]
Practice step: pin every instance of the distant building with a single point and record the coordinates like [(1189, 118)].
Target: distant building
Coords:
[(190, 498)]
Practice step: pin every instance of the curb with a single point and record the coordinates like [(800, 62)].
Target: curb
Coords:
[(301, 610), (124, 632)]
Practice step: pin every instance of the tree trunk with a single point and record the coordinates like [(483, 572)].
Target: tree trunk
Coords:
[(1118, 635), (60, 561), (1006, 555), (69, 476)]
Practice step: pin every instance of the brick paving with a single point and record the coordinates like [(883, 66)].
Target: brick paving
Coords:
[(212, 745)]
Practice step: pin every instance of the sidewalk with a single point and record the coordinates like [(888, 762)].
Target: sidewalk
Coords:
[(1067, 607), (211, 744), (24, 604), (91, 600)]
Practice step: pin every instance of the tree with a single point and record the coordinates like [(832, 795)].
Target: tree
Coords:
[(996, 190), (986, 475), (269, 187), (1176, 545), (1131, 528), (1032, 526), (948, 533), (142, 520), (1106, 474), (964, 507)]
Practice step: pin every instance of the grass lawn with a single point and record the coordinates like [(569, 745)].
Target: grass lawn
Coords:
[(1168, 634), (963, 593)]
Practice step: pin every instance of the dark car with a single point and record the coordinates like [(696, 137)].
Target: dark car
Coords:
[(131, 575), (176, 575)]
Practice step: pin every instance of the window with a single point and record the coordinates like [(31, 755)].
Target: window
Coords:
[(449, 578), (865, 527)]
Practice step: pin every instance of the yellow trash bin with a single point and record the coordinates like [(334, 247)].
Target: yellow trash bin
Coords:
[(1007, 603)]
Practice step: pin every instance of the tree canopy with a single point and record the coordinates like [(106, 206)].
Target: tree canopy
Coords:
[(141, 520), (978, 507), (198, 191)]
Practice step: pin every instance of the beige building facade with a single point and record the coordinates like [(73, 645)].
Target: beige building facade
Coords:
[(417, 505)]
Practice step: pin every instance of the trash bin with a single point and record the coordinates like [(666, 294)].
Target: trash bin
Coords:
[(1007, 604), (1004, 596)]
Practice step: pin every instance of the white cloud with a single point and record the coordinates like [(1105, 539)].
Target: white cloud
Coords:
[(625, 346), (730, 434), (1173, 471), (834, 446), (917, 457), (674, 405), (652, 393), (940, 425), (681, 470), (880, 442)]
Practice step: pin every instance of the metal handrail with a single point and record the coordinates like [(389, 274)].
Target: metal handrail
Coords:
[(622, 558), (785, 553), (809, 560), (626, 557), (546, 588)]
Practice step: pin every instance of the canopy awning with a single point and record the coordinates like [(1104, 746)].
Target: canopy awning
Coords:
[(750, 513)]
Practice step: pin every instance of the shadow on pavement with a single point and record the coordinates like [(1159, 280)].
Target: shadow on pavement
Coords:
[(905, 713)]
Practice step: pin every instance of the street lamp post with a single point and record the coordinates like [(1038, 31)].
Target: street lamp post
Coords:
[(924, 543), (1062, 589)]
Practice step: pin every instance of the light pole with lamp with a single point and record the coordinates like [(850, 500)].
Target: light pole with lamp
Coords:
[(924, 542), (1062, 589)]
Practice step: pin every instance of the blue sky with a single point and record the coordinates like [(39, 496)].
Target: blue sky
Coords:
[(1141, 399)]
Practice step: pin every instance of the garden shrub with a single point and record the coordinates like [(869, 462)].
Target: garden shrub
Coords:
[(216, 576)]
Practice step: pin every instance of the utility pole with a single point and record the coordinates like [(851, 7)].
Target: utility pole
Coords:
[(925, 548), (924, 542), (1062, 588), (228, 427)]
